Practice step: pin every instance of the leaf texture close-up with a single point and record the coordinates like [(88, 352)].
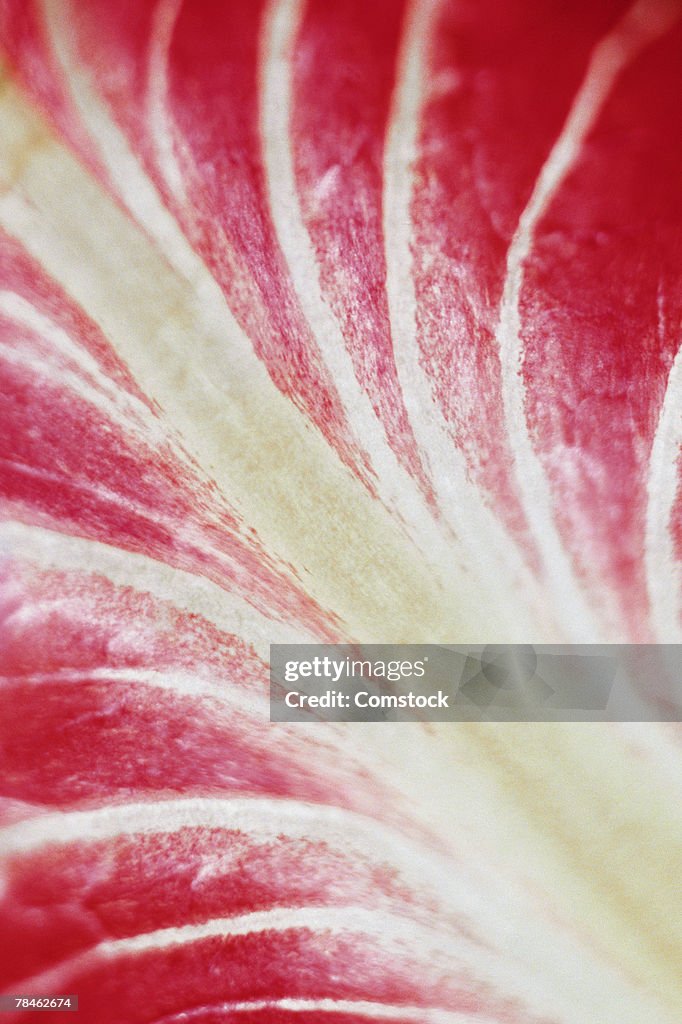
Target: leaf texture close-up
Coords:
[(335, 322)]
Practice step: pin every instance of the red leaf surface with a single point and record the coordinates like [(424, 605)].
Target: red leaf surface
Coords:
[(332, 321)]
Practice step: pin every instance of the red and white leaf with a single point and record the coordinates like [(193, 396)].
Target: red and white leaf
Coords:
[(323, 321)]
